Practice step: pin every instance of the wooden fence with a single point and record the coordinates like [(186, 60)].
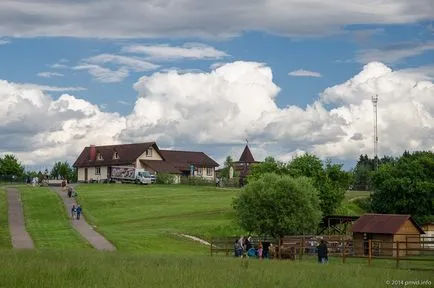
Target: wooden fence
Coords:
[(344, 247)]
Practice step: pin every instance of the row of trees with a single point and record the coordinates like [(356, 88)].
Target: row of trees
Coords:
[(12, 170), (290, 198)]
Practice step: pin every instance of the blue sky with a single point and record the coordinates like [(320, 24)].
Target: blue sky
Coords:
[(322, 44)]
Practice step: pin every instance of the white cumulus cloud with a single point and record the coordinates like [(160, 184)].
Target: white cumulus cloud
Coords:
[(215, 111), (304, 73)]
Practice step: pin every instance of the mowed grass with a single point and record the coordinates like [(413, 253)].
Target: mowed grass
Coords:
[(5, 240), (47, 221), (66, 269), (149, 218)]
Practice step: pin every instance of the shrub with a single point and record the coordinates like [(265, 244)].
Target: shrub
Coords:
[(196, 181), (165, 178)]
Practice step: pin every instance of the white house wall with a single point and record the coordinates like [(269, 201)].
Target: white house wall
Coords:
[(155, 156), (201, 172), (91, 173)]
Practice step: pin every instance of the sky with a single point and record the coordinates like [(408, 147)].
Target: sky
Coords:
[(289, 76)]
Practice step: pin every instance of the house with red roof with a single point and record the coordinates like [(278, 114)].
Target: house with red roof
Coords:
[(95, 162)]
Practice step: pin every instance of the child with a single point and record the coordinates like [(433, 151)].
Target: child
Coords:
[(260, 250), (73, 211)]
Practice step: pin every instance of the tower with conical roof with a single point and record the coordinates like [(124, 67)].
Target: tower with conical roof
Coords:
[(242, 166)]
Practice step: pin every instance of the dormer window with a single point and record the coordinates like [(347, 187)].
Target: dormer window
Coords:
[(149, 152), (99, 157), (115, 155)]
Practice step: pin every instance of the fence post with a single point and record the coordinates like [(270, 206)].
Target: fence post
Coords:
[(302, 248), (280, 247), (369, 251), (397, 254), (343, 250)]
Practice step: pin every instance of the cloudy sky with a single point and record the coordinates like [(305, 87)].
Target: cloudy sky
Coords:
[(289, 75)]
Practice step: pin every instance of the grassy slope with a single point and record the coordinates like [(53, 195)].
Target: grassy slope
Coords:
[(66, 269), (5, 241), (146, 218), (47, 221), (349, 207)]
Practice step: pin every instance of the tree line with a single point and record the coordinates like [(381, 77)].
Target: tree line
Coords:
[(291, 198), (11, 170)]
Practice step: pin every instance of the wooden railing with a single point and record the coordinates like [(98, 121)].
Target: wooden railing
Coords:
[(344, 247)]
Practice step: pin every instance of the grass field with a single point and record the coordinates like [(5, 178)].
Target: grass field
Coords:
[(5, 241), (147, 218), (47, 221), (93, 269)]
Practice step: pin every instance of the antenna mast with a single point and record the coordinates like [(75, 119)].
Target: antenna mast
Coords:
[(375, 105)]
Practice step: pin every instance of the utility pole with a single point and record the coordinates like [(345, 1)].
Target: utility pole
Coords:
[(375, 105)]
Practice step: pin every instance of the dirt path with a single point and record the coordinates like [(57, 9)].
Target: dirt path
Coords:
[(20, 238), (94, 238)]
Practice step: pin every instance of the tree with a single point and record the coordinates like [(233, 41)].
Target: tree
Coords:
[(229, 162), (62, 170), (270, 165), (10, 168), (278, 205), (330, 180), (406, 186)]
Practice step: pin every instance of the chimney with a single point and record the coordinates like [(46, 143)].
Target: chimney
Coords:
[(92, 153)]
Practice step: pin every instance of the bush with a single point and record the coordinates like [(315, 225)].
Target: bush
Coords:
[(234, 182), (165, 178), (196, 181)]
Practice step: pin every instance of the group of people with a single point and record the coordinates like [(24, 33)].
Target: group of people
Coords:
[(244, 247), (76, 212)]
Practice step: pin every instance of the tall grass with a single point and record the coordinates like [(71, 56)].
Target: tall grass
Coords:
[(47, 221), (5, 241), (95, 269)]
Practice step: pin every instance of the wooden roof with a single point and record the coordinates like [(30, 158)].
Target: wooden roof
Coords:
[(382, 223), (246, 156), (183, 159)]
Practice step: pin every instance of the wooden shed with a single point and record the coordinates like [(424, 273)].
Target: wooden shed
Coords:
[(384, 231)]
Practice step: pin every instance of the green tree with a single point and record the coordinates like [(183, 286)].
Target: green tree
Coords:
[(229, 162), (278, 205), (270, 165), (62, 170), (406, 186), (11, 168), (330, 179)]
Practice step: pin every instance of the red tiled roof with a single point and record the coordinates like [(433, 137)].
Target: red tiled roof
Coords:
[(161, 166), (183, 159), (382, 223), (246, 156), (128, 154)]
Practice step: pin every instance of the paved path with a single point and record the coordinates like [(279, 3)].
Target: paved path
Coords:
[(94, 238), (20, 238)]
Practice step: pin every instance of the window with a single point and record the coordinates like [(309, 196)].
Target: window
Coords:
[(97, 170), (209, 171), (116, 155), (199, 171), (100, 156), (149, 152)]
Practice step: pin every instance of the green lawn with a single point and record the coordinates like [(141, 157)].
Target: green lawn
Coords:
[(5, 241), (67, 269), (147, 218), (47, 221)]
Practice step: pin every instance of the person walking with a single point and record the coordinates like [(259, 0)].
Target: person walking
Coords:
[(78, 211), (69, 191), (73, 211), (322, 252)]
